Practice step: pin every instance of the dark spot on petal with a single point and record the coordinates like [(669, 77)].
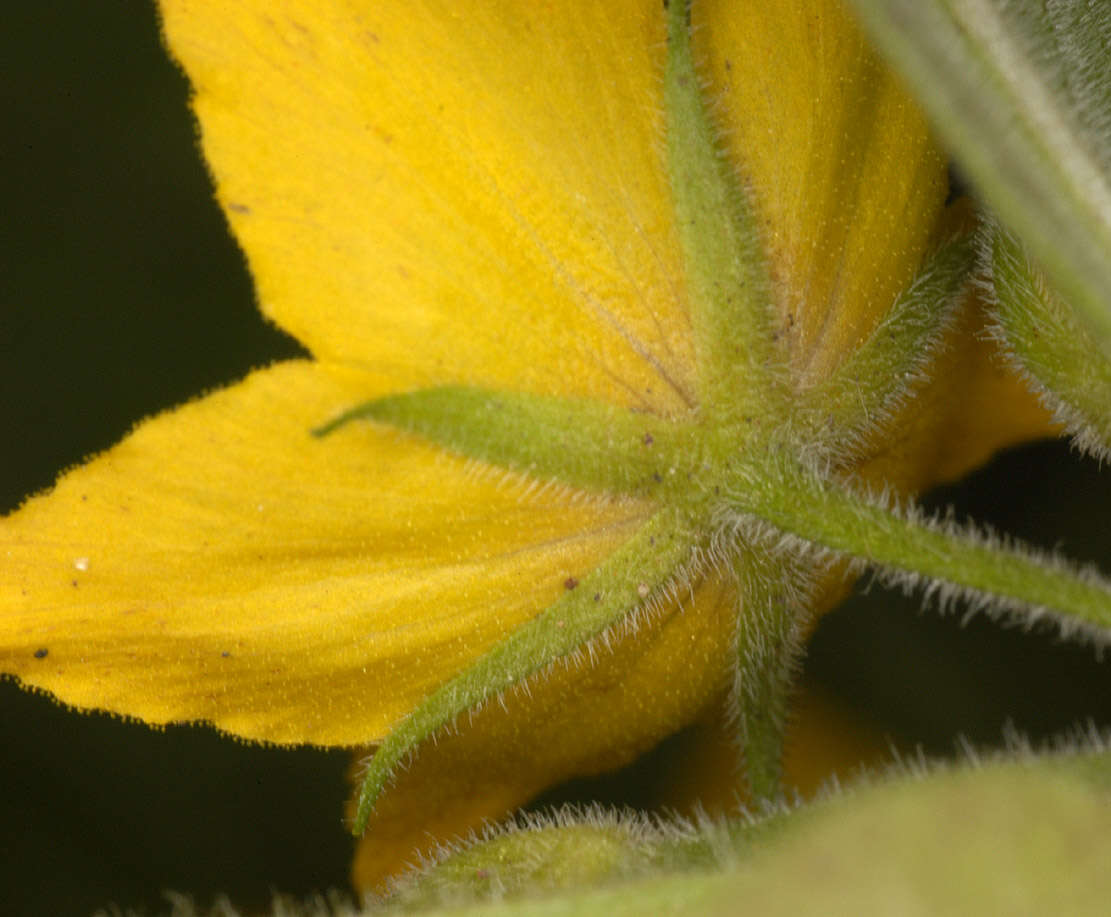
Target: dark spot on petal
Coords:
[(238, 208), (648, 439), (570, 583), (225, 654), (42, 652), (597, 596)]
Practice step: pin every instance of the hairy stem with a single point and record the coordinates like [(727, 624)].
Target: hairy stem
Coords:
[(769, 646), (943, 559)]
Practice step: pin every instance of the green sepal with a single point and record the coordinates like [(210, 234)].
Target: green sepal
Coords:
[(726, 282), (858, 402), (1072, 374), (637, 578), (578, 442)]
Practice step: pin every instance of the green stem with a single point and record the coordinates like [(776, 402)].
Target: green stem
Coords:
[(769, 646), (762, 738), (946, 561)]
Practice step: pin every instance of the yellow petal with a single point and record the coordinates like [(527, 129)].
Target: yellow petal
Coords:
[(451, 197), (844, 177), (574, 720), (222, 564)]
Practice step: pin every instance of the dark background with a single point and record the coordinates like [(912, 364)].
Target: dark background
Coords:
[(120, 294)]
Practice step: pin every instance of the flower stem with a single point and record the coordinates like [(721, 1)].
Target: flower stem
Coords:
[(948, 562), (770, 635)]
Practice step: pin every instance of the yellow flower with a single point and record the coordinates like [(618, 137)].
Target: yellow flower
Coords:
[(476, 222)]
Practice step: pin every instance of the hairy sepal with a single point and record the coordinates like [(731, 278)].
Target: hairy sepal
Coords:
[(581, 443), (639, 578), (726, 281), (1055, 352), (856, 405)]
